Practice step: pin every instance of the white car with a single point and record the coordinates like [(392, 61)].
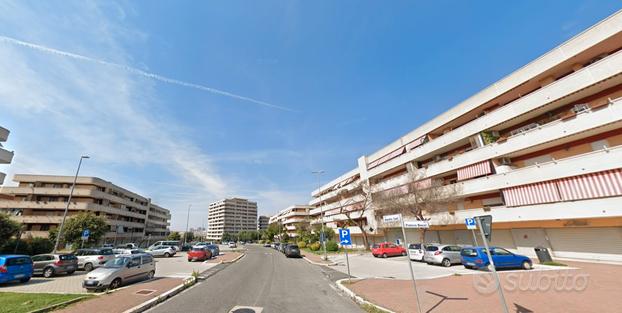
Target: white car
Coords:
[(416, 251), (120, 271), (164, 251), (232, 245), (121, 252), (88, 259)]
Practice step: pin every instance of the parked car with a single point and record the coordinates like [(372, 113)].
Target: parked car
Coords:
[(476, 258), (165, 251), (175, 244), (129, 245), (120, 252), (276, 245), (49, 265), (387, 249), (292, 251), (107, 245), (88, 259), (120, 271), (232, 245), (186, 247), (213, 249), (199, 253), (416, 251), (267, 245), (15, 267), (445, 255), (282, 247)]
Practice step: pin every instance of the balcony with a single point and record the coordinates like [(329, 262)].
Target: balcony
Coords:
[(5, 156), (37, 219), (4, 134), (600, 71), (348, 201), (74, 206), (2, 176)]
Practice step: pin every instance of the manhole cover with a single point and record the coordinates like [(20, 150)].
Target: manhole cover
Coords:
[(246, 309), (145, 292)]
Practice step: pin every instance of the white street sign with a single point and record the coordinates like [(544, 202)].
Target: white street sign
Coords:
[(391, 218), (416, 224)]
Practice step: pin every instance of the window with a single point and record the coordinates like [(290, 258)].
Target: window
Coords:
[(431, 248), (38, 258), (18, 261), (147, 259), (468, 252), (500, 251), (135, 261)]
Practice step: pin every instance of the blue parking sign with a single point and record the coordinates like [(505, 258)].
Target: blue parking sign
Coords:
[(85, 234), (344, 236), (470, 223)]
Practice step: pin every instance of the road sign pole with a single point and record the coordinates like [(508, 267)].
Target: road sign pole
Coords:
[(474, 237), (348, 264), (492, 265), (412, 274)]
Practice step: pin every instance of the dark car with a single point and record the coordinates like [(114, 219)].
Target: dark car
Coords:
[(292, 251), (15, 267), (49, 265), (283, 247), (186, 247), (277, 245)]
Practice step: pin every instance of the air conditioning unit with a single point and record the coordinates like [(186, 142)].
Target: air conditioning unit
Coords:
[(505, 161), (580, 107)]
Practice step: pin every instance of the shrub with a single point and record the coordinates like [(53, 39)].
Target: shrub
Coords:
[(314, 246), (40, 245), (332, 246), (302, 244)]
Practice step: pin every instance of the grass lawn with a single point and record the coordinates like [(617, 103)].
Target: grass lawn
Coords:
[(15, 302)]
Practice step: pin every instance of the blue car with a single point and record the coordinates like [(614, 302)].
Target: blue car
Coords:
[(476, 258), (15, 267)]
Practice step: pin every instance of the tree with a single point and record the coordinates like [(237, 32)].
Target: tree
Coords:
[(420, 197), (8, 228), (174, 235), (76, 224), (354, 204), (227, 237), (189, 236)]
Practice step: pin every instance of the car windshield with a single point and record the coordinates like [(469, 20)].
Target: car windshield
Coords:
[(431, 248), (117, 262), (198, 249), (414, 246)]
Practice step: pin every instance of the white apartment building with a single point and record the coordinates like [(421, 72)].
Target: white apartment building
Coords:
[(39, 201), (292, 219), (5, 156), (540, 150), (231, 216)]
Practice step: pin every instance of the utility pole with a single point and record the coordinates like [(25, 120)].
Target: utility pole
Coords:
[(323, 234), (187, 222), (73, 186)]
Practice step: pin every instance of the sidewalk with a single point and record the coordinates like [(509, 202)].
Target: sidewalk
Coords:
[(125, 298), (314, 258), (590, 288), (226, 257)]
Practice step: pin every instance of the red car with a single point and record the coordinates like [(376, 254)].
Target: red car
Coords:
[(386, 249), (199, 254)]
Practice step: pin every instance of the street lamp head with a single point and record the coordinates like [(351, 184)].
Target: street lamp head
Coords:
[(85, 157), (318, 172)]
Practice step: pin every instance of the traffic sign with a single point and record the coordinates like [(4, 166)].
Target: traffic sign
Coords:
[(470, 223), (344, 236), (85, 234), (486, 222), (392, 218), (416, 224)]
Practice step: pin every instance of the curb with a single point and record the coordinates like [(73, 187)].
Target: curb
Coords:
[(359, 299), (234, 260), (57, 305), (318, 263), (161, 298)]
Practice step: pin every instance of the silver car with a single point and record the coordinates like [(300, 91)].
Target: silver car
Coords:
[(445, 255), (120, 271), (165, 251), (88, 259)]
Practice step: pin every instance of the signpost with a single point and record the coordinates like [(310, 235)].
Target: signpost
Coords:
[(346, 240), (85, 236), (472, 225), (484, 223), (398, 218)]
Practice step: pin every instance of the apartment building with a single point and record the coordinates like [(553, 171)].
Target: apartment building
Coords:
[(292, 219), (5, 156), (262, 222), (39, 201), (540, 150), (231, 216)]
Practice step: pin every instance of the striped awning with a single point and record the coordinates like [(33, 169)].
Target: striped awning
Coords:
[(543, 192), (595, 185), (387, 157), (423, 184), (415, 143), (475, 170)]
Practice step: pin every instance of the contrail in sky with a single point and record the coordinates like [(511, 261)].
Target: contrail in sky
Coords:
[(138, 72)]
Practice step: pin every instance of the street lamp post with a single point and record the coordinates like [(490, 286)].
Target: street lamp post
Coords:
[(187, 221), (323, 234), (73, 186)]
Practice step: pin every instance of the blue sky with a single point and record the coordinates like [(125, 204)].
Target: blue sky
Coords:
[(351, 75)]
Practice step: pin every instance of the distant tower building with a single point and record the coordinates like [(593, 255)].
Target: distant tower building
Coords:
[(231, 216), (262, 222)]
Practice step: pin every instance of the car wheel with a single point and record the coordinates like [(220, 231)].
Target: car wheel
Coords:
[(116, 283), (526, 265), (71, 272), (384, 255), (167, 255), (404, 253), (88, 267), (189, 260), (446, 263), (48, 272), (25, 279), (150, 275)]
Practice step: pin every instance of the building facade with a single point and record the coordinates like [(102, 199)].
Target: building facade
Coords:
[(262, 222), (292, 219), (540, 150), (5, 156), (39, 201), (231, 216)]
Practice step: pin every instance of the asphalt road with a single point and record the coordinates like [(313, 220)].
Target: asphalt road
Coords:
[(266, 279)]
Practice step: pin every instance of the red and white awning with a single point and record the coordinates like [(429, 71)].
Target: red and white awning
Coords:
[(595, 185), (543, 192), (475, 170), (387, 157), (424, 183), (415, 143)]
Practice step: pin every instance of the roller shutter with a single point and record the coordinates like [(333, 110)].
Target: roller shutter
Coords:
[(604, 244)]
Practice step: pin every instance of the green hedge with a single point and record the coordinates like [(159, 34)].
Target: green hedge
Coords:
[(301, 244), (29, 246), (314, 246), (332, 246)]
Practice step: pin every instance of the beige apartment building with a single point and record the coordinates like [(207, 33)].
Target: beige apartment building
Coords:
[(539, 150), (231, 216), (5, 156), (293, 219), (263, 222), (39, 201)]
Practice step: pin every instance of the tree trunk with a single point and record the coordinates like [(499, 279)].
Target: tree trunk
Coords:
[(365, 240)]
